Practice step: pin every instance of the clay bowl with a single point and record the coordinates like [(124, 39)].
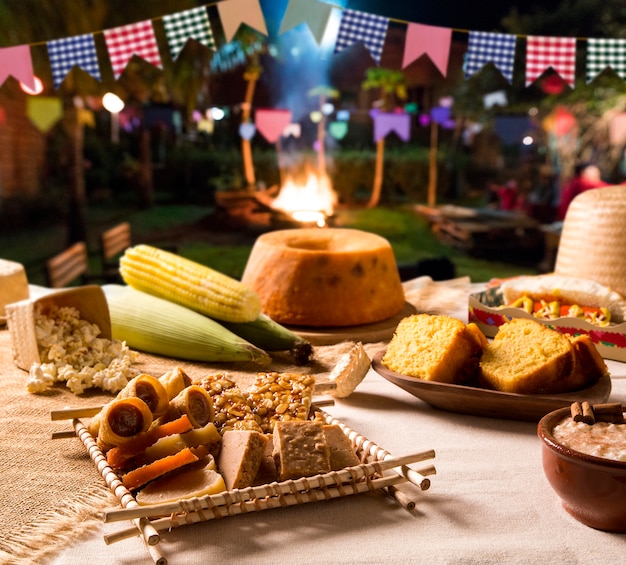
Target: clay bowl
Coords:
[(592, 489)]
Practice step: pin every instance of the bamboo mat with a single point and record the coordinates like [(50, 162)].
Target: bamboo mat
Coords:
[(50, 490)]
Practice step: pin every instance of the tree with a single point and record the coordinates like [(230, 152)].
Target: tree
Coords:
[(323, 92), (392, 86), (248, 47)]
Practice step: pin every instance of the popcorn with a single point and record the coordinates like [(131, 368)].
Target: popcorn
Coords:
[(71, 352)]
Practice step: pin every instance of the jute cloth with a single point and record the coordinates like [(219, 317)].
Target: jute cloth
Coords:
[(50, 490)]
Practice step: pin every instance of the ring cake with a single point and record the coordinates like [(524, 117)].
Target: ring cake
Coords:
[(333, 277)]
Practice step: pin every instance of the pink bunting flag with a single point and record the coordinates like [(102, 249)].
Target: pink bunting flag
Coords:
[(133, 39), (387, 122), (233, 13), (271, 123), (556, 52), (17, 62), (427, 40)]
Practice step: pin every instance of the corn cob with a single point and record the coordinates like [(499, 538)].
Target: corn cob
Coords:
[(189, 284), (232, 410), (272, 336), (154, 325)]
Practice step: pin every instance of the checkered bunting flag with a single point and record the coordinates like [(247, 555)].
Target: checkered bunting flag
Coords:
[(133, 39), (602, 53), (181, 26), (64, 54), (360, 26), (485, 47), (556, 52)]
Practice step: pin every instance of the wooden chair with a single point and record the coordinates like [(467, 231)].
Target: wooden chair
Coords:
[(68, 266), (113, 242)]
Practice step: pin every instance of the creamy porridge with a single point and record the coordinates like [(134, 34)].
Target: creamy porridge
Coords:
[(601, 439)]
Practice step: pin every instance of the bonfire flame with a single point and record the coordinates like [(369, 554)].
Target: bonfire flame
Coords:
[(311, 202)]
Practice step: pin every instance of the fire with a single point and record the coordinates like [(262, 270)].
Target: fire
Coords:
[(309, 203)]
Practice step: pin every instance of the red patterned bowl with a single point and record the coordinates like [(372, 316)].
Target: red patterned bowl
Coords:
[(592, 489)]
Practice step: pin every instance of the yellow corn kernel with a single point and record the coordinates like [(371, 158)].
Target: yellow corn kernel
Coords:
[(189, 284)]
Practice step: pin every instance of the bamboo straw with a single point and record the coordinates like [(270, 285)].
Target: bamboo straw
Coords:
[(344, 477), (150, 535), (71, 413), (401, 493), (379, 453), (194, 513)]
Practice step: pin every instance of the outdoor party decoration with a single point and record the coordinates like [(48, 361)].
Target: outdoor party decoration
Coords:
[(545, 52), (78, 50), (338, 130), (495, 48), (16, 61), (368, 29), (44, 111), (498, 98), (271, 122), (387, 122), (603, 53), (315, 15), (133, 39), (234, 13), (542, 53), (247, 130), (427, 40), (181, 26)]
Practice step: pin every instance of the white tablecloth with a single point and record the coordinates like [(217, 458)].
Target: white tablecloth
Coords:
[(488, 503)]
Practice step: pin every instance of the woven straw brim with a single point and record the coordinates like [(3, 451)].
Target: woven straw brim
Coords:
[(593, 240)]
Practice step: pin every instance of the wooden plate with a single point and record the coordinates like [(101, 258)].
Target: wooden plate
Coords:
[(368, 333), (490, 403)]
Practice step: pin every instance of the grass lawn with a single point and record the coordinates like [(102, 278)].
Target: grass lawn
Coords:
[(200, 240)]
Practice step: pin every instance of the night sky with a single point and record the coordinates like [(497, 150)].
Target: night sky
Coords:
[(479, 15)]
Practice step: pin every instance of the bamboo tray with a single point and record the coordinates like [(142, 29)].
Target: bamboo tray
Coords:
[(379, 471)]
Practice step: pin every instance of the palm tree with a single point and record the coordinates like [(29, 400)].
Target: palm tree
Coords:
[(324, 93), (248, 47), (392, 86)]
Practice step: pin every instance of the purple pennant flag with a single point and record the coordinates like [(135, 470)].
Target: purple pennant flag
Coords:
[(386, 122), (369, 29), (79, 50)]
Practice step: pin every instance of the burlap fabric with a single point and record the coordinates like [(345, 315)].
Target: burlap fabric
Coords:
[(50, 490)]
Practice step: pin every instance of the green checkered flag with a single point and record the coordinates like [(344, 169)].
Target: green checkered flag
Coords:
[(603, 53), (181, 26)]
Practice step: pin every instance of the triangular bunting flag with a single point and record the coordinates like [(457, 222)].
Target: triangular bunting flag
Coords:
[(64, 54), (369, 29), (233, 13), (427, 40), (44, 111), (386, 122), (133, 39), (181, 26), (556, 52), (602, 53), (314, 14), (271, 123), (485, 47), (17, 62)]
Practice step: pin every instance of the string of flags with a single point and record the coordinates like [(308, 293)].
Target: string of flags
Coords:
[(370, 30)]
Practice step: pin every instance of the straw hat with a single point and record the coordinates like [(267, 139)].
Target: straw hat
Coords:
[(593, 240)]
